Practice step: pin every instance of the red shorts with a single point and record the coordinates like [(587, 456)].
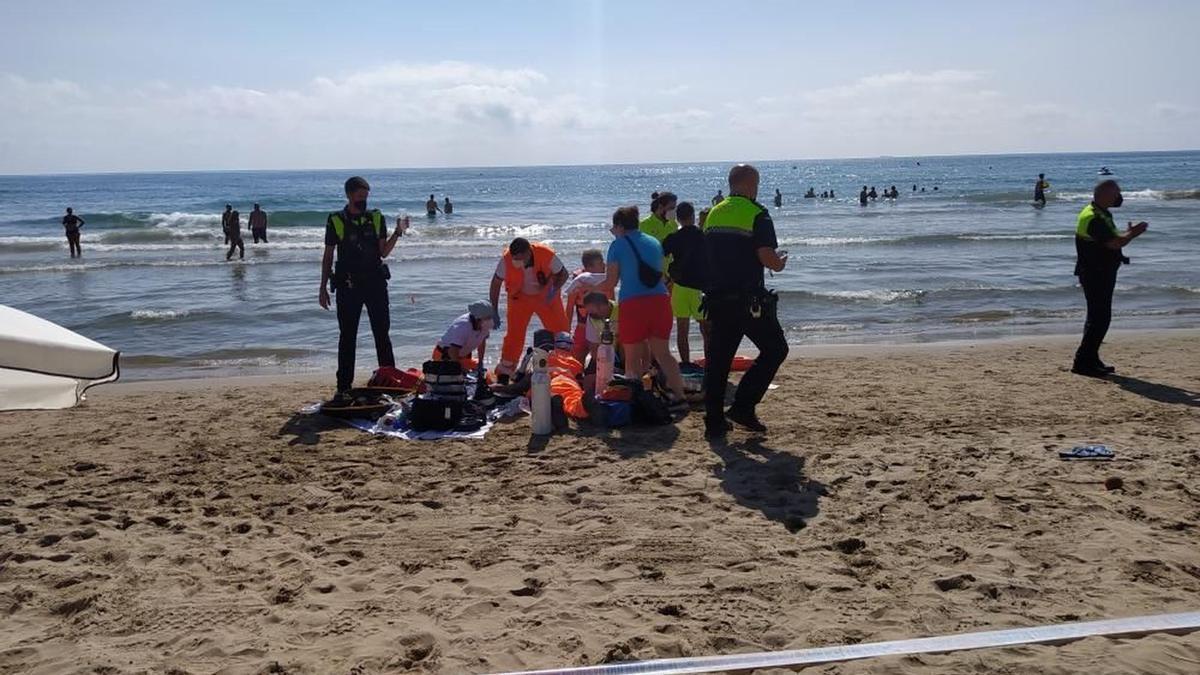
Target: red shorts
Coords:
[(645, 317)]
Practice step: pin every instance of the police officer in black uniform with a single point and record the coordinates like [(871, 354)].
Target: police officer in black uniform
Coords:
[(740, 238), (359, 278), (1098, 251)]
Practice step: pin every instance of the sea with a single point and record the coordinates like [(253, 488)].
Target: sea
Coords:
[(964, 256)]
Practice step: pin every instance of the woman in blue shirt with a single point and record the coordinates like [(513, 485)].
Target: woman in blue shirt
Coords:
[(645, 308)]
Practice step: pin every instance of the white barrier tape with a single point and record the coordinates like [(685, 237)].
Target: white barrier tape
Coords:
[(1137, 626)]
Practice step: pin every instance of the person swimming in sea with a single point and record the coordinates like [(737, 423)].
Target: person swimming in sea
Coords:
[(71, 224), (431, 207)]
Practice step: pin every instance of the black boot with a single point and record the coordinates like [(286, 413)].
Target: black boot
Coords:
[(747, 419)]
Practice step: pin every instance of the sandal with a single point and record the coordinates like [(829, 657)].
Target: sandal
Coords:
[(1089, 452)]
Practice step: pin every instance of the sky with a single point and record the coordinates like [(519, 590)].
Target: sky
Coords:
[(157, 86)]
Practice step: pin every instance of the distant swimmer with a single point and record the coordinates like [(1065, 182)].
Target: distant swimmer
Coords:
[(895, 193), (914, 187), (225, 221), (72, 223), (258, 224), (811, 194), (718, 198), (431, 207), (234, 234), (873, 194), (447, 207), (831, 195), (824, 194), (1098, 257), (1105, 171), (779, 198), (862, 196), (1039, 190)]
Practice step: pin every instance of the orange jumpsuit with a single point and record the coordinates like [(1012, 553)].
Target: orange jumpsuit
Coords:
[(565, 371), (522, 307)]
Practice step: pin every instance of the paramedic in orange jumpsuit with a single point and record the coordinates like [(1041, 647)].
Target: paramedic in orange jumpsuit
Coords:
[(533, 278)]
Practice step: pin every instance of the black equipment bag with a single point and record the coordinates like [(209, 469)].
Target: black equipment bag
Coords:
[(445, 380), (649, 408), (433, 414)]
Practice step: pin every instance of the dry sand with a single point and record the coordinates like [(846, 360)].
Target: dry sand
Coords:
[(206, 528)]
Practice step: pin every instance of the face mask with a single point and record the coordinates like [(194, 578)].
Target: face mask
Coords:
[(1119, 202), (669, 215), (486, 324), (361, 205)]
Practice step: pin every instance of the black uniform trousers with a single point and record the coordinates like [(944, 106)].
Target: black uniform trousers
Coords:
[(1098, 289), (729, 320), (350, 303)]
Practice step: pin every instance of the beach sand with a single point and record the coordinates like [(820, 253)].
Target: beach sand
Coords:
[(205, 527)]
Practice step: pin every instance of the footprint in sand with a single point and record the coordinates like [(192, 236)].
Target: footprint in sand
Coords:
[(954, 583), (850, 545), (532, 588), (49, 540)]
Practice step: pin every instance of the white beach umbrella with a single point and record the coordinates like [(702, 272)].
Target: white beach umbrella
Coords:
[(43, 365)]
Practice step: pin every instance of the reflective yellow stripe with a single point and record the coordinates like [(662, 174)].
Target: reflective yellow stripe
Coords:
[(339, 226), (1086, 216), (735, 214)]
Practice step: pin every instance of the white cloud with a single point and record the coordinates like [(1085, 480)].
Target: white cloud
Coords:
[(890, 83), (452, 113), (376, 116), (1174, 111)]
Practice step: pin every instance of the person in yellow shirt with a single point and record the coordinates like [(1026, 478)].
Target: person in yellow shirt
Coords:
[(661, 220)]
